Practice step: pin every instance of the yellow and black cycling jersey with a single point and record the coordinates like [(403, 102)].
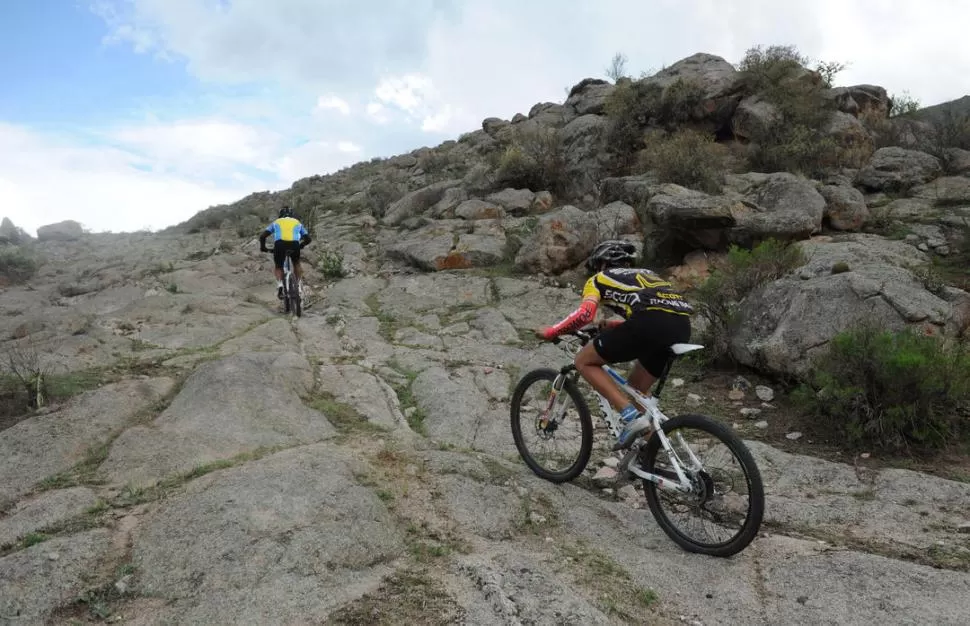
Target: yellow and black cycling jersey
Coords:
[(630, 290)]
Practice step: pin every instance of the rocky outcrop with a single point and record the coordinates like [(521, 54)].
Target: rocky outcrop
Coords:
[(897, 169), (846, 280), (781, 206), (68, 230), (564, 238)]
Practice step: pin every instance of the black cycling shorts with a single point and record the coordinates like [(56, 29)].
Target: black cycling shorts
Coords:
[(279, 252), (646, 337)]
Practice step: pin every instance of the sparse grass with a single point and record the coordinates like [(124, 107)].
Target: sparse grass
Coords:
[(344, 417), (406, 398), (133, 495), (608, 584), (407, 597), (98, 604)]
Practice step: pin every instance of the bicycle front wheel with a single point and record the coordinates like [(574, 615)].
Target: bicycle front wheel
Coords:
[(727, 501), (571, 426)]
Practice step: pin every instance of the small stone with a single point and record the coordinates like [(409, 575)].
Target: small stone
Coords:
[(677, 382), (964, 528), (765, 394), (607, 491), (693, 400), (865, 455), (741, 384), (627, 492), (53, 556), (408, 412), (750, 412), (762, 424), (767, 405), (793, 435), (802, 599), (535, 518), (611, 461), (605, 474), (735, 394)]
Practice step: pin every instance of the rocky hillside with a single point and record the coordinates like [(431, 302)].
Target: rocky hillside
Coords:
[(195, 456)]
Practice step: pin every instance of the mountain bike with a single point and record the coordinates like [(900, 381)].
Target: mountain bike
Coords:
[(667, 466), (292, 288)]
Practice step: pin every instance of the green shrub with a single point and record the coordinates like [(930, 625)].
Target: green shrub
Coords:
[(903, 105), (743, 271), (795, 140), (632, 107), (687, 157), (629, 109), (17, 264), (891, 389), (331, 264), (535, 159)]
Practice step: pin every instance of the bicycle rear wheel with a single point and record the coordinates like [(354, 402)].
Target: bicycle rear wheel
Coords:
[(727, 499), (532, 409)]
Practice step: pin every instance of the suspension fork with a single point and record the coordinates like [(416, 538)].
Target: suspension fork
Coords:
[(557, 384)]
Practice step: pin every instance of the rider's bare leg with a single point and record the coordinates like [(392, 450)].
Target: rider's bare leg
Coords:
[(278, 272), (589, 365), (641, 380), (298, 269)]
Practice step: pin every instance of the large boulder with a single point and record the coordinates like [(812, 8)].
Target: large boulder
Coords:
[(846, 280), (717, 82), (417, 202), (779, 205), (68, 230), (564, 238), (845, 207), (589, 96), (451, 244), (861, 100), (753, 116), (851, 136), (583, 144), (898, 169), (677, 218)]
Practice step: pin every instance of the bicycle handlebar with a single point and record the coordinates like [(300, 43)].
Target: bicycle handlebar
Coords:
[(584, 334)]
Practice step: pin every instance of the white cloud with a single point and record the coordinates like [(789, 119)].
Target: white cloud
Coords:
[(154, 175), (376, 112), (200, 145), (45, 180), (334, 103), (315, 157)]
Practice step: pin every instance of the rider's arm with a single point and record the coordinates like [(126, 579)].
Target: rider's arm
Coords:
[(582, 316), (305, 238), (262, 239)]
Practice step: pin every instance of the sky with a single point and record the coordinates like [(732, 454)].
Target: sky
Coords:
[(134, 114)]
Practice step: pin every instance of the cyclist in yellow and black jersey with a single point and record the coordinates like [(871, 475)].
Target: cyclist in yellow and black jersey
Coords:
[(655, 316), (289, 235)]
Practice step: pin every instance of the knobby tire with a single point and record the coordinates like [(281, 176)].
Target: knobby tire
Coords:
[(585, 420), (756, 506)]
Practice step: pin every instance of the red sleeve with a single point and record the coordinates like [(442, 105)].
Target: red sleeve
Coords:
[(582, 316)]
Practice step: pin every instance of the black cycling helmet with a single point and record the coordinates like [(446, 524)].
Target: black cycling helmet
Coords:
[(286, 212), (611, 253)]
